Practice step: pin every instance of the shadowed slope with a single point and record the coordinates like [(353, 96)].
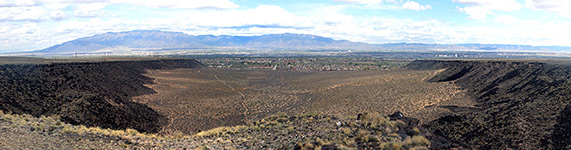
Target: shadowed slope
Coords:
[(522, 103), (91, 94)]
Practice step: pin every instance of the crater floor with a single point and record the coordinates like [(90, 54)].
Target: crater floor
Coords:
[(201, 99)]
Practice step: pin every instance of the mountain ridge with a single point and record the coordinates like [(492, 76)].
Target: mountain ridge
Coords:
[(154, 39), (167, 40)]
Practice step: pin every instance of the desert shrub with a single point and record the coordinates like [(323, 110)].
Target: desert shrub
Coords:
[(307, 145), (68, 129), (320, 141), (362, 133), (391, 146), (400, 123), (370, 138), (416, 131), (347, 131), (421, 140), (220, 131), (350, 142), (178, 135), (416, 142), (131, 131), (290, 129), (418, 148)]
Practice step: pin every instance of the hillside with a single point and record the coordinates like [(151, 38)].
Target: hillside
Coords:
[(304, 131), (521, 104), (90, 93)]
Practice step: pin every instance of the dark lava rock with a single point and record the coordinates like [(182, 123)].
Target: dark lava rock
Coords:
[(410, 122), (396, 116), (523, 104), (90, 93)]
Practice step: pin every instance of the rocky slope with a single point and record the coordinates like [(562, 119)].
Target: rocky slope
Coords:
[(90, 93), (522, 104), (304, 131)]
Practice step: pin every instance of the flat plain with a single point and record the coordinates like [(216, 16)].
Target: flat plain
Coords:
[(200, 99)]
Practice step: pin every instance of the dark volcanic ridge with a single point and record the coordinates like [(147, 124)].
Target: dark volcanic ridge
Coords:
[(91, 93), (521, 105)]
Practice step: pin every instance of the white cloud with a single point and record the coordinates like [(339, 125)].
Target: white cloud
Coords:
[(327, 21), (501, 5), (56, 6), (261, 15), (27, 13), (183, 4), (476, 12), (525, 32), (58, 15), (17, 3), (559, 7), (506, 19), (46, 10), (387, 4), (89, 10), (360, 1), (480, 9), (18, 36), (274, 19), (415, 6)]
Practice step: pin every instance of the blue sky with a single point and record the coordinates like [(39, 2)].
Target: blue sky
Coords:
[(36, 24)]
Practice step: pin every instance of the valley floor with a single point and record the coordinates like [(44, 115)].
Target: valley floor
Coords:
[(202, 99)]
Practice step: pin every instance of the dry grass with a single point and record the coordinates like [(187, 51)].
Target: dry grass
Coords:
[(308, 131), (220, 131), (53, 124)]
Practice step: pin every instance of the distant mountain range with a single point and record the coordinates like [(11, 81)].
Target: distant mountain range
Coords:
[(153, 40), (162, 40)]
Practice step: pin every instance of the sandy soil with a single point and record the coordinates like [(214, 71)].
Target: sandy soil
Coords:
[(201, 99)]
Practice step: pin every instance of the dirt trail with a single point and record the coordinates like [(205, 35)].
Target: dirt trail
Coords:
[(241, 94)]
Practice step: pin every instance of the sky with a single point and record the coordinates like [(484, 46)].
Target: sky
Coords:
[(27, 25)]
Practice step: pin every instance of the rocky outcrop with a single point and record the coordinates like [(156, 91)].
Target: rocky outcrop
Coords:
[(91, 94), (523, 105)]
